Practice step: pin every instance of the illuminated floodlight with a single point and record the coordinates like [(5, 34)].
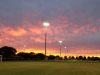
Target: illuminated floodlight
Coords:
[(46, 24), (60, 42)]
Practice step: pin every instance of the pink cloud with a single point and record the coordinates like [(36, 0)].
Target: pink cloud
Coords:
[(60, 29)]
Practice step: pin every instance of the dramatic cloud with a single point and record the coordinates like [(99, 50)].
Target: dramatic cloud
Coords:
[(77, 23)]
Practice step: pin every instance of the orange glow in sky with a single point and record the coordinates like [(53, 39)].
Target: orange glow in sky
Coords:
[(77, 24)]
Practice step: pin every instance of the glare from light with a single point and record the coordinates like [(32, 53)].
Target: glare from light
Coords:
[(46, 24), (60, 42)]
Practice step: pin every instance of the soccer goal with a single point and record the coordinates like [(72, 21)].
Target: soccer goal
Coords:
[(1, 58)]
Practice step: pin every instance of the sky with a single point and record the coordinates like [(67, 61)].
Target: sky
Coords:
[(75, 22)]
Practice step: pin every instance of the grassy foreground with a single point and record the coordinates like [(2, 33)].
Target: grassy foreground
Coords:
[(50, 68)]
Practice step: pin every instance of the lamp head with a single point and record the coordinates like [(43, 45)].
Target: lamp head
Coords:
[(46, 24), (60, 42)]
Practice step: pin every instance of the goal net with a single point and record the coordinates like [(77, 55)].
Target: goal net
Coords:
[(1, 58)]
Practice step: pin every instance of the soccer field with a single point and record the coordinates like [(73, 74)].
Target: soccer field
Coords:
[(50, 68)]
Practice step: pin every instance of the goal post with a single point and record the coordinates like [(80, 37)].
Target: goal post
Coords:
[(1, 58)]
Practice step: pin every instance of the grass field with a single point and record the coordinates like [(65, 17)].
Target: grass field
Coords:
[(50, 68)]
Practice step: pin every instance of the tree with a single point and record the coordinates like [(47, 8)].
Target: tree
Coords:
[(8, 52), (88, 58), (84, 58), (58, 57), (39, 56), (51, 57), (80, 57), (26, 56), (65, 57)]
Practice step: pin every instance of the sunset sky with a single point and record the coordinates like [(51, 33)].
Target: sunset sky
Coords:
[(75, 22)]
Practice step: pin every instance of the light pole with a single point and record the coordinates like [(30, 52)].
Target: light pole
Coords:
[(60, 44), (46, 25)]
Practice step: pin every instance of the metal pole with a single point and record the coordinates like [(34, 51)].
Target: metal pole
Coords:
[(45, 43), (46, 25), (60, 50)]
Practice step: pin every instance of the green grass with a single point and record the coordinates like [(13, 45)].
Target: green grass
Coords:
[(50, 68)]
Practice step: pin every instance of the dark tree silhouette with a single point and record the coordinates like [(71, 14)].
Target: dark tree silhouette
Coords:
[(26, 56), (39, 56), (88, 58), (94, 58), (58, 57), (84, 58), (51, 57), (65, 57), (7, 52), (30, 56), (80, 57)]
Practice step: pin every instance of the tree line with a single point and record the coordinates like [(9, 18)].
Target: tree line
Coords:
[(10, 54)]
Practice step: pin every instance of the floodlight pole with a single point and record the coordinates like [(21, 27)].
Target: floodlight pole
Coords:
[(60, 50), (60, 45), (46, 25), (45, 43)]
